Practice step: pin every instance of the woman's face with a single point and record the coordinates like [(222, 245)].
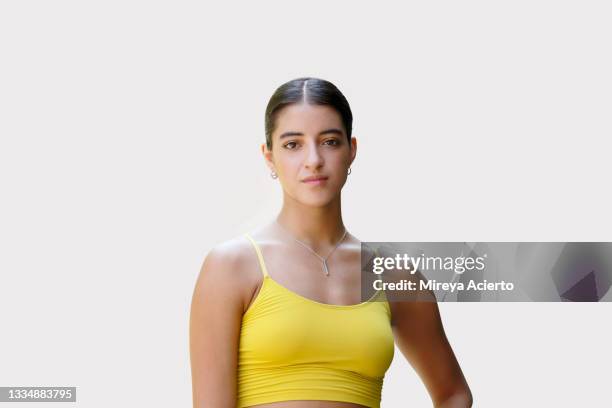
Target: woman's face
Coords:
[(310, 141)]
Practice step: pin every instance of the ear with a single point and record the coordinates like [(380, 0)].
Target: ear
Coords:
[(268, 158), (353, 149)]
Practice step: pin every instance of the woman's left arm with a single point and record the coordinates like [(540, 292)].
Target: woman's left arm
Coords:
[(419, 334)]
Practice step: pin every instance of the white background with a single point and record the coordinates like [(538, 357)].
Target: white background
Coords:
[(129, 147)]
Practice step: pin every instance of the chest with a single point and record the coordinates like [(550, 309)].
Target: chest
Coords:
[(281, 328)]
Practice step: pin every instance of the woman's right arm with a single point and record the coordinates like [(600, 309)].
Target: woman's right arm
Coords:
[(214, 329)]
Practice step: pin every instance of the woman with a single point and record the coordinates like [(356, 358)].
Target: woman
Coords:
[(277, 319)]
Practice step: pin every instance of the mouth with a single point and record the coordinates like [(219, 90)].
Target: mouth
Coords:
[(315, 180)]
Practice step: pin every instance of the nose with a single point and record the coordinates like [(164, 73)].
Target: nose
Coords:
[(314, 159)]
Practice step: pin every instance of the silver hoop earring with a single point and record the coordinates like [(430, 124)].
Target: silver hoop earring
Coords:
[(274, 175), (349, 171)]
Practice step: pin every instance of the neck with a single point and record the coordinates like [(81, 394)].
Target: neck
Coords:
[(315, 226)]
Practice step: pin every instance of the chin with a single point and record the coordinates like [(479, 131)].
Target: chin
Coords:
[(316, 200)]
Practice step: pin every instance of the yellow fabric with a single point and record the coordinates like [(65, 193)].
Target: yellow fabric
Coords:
[(294, 348)]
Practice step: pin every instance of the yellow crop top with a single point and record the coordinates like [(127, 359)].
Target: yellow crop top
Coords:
[(295, 348)]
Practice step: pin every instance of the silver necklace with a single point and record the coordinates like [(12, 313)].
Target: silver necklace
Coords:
[(324, 260)]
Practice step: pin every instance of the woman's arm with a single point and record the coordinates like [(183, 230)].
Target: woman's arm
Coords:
[(216, 314), (419, 335)]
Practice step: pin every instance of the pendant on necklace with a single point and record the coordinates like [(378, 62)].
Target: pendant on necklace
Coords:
[(325, 268)]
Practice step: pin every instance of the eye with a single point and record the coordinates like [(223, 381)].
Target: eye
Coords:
[(290, 145), (332, 142)]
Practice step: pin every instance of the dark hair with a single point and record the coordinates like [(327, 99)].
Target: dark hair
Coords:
[(310, 90)]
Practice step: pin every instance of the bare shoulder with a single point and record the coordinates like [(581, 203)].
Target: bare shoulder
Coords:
[(230, 266), (230, 258)]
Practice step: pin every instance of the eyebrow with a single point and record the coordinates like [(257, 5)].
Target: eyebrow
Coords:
[(326, 131)]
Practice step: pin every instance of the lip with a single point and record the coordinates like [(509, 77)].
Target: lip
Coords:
[(315, 180)]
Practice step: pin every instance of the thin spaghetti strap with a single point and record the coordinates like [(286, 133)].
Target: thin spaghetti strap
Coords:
[(262, 264)]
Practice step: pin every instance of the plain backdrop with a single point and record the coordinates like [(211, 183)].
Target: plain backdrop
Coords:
[(130, 135)]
